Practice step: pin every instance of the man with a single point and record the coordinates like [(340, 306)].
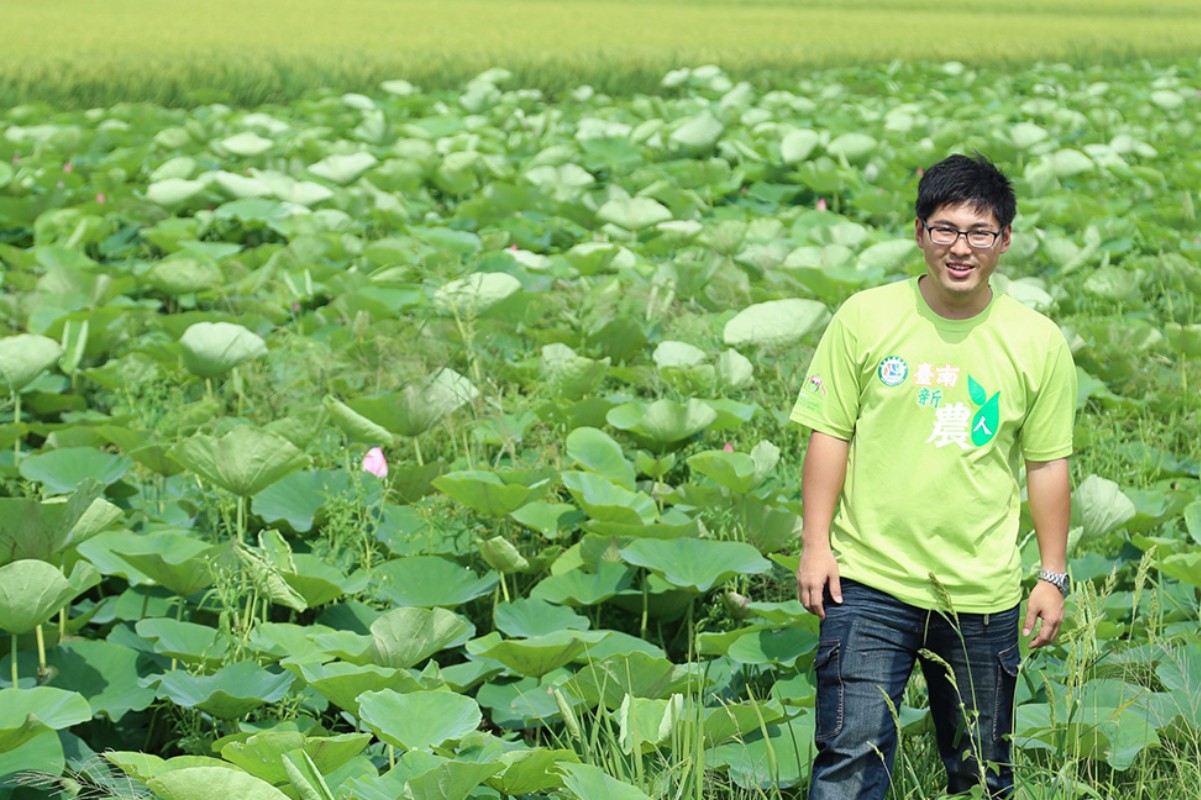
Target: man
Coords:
[(924, 398)]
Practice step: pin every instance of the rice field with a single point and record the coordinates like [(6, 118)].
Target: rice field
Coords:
[(79, 53)]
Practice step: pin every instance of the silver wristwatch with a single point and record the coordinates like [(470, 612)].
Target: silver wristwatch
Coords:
[(1059, 580)]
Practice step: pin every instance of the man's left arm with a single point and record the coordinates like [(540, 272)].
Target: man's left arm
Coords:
[(1050, 497)]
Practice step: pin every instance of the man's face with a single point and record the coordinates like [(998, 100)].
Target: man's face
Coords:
[(957, 273)]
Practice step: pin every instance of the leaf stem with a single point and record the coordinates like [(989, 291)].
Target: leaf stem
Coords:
[(14, 660), (41, 639)]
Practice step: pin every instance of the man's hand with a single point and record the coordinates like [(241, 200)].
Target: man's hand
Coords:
[(816, 570), (1046, 604)]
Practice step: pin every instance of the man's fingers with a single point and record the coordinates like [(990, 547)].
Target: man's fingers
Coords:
[(1028, 625), (836, 588)]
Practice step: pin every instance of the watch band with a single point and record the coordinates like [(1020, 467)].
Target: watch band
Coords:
[(1059, 580)]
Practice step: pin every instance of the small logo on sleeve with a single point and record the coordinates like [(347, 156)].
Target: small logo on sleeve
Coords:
[(892, 371)]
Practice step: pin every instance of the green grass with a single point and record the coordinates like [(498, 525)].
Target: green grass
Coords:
[(78, 53)]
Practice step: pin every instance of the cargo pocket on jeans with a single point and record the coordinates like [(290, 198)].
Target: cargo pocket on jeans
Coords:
[(829, 690), (1007, 680)]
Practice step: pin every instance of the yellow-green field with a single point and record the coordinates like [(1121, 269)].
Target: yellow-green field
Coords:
[(90, 52)]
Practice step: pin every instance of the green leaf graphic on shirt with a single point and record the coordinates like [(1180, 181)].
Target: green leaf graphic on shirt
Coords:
[(979, 396), (987, 420)]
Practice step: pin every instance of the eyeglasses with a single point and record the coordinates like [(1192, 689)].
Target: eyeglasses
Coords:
[(943, 236)]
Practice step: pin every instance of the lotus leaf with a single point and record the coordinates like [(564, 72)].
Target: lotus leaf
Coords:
[(1103, 508), (343, 169), (531, 771), (31, 592), (776, 324), (734, 370), (46, 530), (298, 498), (782, 759), (579, 588), (247, 143), (420, 405), (546, 518), (854, 147), (486, 492), (664, 422), (698, 134), (586, 782), (318, 583), (188, 641), (205, 783), (639, 674), (604, 500), (174, 191), (244, 461), (418, 720), (735, 720), (106, 674), (695, 564), (262, 754), (454, 780), (503, 556), (797, 145), (405, 637), (597, 452), (525, 617), (175, 560), (537, 655), (23, 357), (342, 683), (63, 470), (645, 725), (633, 213), (25, 713), (213, 348), (234, 690), (430, 581), (781, 647), (473, 295), (184, 274)]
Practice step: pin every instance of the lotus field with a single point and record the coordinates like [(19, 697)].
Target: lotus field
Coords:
[(433, 445)]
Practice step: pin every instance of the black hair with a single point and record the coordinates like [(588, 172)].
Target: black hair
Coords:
[(959, 179)]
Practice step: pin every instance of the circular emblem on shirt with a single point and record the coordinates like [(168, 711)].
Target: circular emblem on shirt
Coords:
[(892, 371)]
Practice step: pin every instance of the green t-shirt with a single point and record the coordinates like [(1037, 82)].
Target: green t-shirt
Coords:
[(939, 414)]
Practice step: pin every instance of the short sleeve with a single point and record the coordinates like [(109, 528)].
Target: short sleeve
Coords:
[(829, 396), (1047, 432)]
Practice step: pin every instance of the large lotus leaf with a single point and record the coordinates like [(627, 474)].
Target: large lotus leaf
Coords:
[(420, 405), (596, 451), (531, 771), (1102, 506), (343, 169), (586, 782), (404, 637), (663, 422), (108, 675), (735, 471), (213, 348), (231, 692), (855, 147), (206, 783), (633, 213), (578, 588), (781, 760), (695, 564), (797, 145), (776, 324), (1184, 339), (528, 617), (175, 560), (64, 469), (24, 357), (453, 780), (262, 754), (645, 724), (549, 519), (473, 295), (31, 592), (24, 713), (429, 581), (246, 143), (356, 427), (486, 493), (144, 766), (342, 683), (606, 501), (244, 461), (189, 642), (45, 530), (419, 720), (42, 753), (522, 703), (608, 681), (184, 274), (173, 191), (318, 582), (297, 498), (778, 647), (537, 655), (570, 375)]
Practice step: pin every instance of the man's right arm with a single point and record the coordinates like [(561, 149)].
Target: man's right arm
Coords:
[(822, 476)]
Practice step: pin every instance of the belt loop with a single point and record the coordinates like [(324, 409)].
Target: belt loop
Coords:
[(986, 616)]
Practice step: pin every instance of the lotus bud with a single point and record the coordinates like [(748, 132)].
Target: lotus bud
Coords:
[(821, 204), (736, 604), (375, 463), (569, 720), (729, 448)]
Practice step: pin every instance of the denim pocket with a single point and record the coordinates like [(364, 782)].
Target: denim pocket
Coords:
[(1008, 661), (829, 690)]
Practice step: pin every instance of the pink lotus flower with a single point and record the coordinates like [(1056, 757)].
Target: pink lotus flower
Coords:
[(919, 172), (729, 448), (375, 463), (100, 198), (67, 167), (821, 204), (513, 248)]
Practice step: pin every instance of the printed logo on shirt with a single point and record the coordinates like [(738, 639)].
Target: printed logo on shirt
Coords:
[(815, 384), (987, 418), (954, 423), (892, 371)]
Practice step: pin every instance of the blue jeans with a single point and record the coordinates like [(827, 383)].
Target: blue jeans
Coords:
[(868, 646)]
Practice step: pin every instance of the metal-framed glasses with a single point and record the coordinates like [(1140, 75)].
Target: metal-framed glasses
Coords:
[(944, 236)]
